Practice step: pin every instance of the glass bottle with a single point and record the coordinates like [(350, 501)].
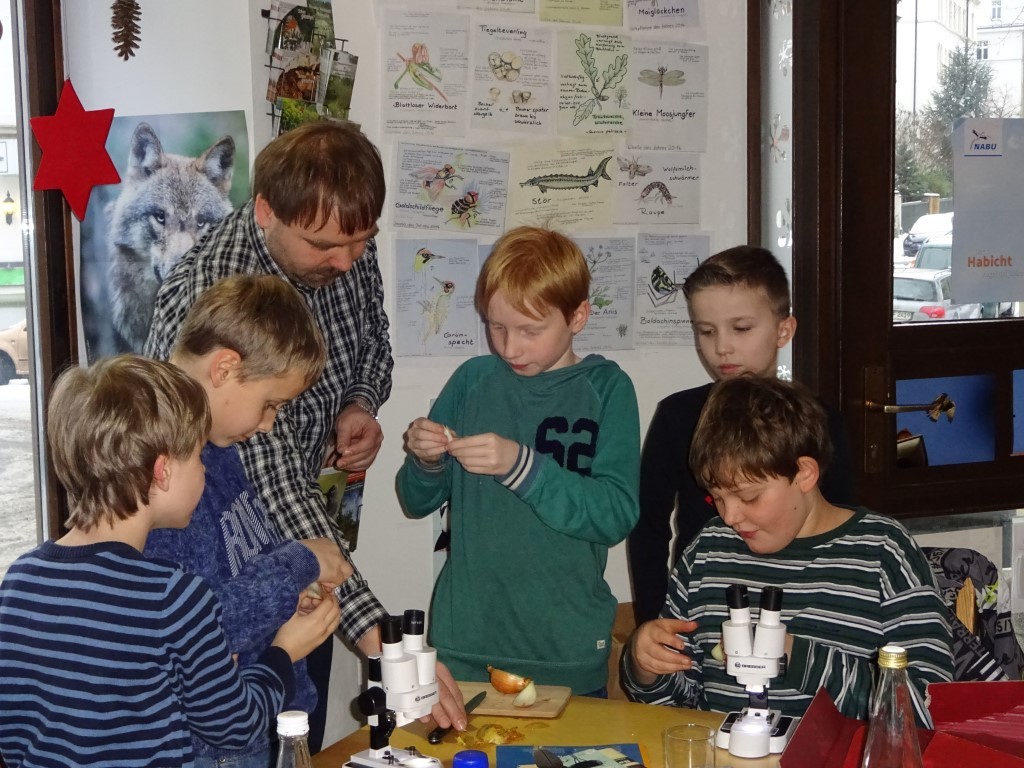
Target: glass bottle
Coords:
[(892, 734), (293, 734)]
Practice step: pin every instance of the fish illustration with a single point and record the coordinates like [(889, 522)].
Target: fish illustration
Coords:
[(568, 181)]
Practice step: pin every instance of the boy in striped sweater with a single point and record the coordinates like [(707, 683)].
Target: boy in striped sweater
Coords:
[(108, 658), (853, 580)]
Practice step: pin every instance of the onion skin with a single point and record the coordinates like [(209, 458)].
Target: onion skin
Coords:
[(506, 682)]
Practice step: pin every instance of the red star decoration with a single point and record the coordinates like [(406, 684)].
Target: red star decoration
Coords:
[(73, 142)]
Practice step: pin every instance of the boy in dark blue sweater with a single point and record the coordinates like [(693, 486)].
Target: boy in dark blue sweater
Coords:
[(108, 658), (252, 343)]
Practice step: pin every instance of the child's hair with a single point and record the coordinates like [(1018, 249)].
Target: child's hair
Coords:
[(319, 170), (535, 269), (755, 428), (261, 317), (747, 265), (108, 424)]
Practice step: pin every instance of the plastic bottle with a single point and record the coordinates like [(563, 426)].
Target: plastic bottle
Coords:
[(293, 734), (470, 758), (892, 734)]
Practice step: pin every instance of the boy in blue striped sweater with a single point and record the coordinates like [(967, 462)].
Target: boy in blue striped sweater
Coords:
[(108, 658), (853, 580)]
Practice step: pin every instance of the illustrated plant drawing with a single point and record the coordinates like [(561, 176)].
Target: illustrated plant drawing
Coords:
[(599, 83), (419, 68), (599, 294)]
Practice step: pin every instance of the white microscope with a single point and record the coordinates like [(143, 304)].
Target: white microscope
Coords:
[(401, 687), (755, 655)]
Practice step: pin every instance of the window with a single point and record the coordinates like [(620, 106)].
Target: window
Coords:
[(997, 10), (982, 49)]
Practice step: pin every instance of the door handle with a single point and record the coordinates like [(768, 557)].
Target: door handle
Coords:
[(942, 404)]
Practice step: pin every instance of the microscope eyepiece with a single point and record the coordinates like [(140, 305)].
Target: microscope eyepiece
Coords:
[(736, 596), (771, 599), (391, 630), (413, 622)]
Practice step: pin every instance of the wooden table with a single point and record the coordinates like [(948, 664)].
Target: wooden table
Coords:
[(585, 721)]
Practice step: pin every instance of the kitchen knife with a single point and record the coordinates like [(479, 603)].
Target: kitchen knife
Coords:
[(435, 736)]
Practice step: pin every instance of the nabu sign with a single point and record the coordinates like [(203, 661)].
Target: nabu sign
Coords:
[(983, 138)]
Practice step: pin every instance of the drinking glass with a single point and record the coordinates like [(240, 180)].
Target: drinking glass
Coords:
[(689, 746)]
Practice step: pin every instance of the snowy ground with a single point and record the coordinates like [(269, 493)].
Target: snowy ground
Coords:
[(17, 494)]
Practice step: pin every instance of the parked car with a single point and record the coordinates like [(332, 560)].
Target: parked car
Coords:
[(937, 253), (926, 226), (924, 294), (13, 352)]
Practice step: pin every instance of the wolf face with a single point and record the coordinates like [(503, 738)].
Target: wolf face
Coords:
[(167, 203)]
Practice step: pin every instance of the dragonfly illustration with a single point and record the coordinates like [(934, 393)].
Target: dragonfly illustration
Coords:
[(661, 77)]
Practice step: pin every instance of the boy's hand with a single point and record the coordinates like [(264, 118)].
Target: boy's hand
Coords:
[(427, 440), (334, 566), (358, 437), (657, 649), (304, 632), (486, 454)]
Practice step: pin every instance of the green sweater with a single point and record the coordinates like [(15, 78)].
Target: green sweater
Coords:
[(524, 588), (847, 592)]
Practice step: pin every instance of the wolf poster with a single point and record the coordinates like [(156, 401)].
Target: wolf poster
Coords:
[(180, 175)]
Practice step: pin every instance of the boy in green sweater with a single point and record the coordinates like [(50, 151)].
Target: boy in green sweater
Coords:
[(537, 451), (853, 580)]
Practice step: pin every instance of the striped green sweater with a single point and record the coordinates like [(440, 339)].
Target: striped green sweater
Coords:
[(846, 593)]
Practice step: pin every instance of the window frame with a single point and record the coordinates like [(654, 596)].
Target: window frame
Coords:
[(39, 78)]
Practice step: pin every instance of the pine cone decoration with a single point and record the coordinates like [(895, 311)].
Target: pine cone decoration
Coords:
[(124, 20)]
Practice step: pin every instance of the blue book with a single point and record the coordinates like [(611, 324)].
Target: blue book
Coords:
[(599, 756)]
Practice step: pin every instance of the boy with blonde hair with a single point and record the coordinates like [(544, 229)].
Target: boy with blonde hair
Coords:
[(251, 342), (108, 658), (537, 451), (852, 580), (740, 308)]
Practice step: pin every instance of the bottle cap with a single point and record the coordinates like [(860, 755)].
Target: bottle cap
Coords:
[(292, 723), (470, 758), (892, 657)]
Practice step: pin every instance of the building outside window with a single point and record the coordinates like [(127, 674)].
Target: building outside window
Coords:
[(982, 49)]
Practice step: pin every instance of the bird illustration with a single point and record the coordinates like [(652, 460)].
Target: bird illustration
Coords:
[(435, 310), (423, 257)]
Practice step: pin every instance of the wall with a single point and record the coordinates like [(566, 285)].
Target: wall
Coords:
[(196, 56)]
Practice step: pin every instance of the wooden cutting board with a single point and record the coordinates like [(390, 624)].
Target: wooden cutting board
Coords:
[(551, 700)]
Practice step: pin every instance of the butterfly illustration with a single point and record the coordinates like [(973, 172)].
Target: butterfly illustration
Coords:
[(633, 167), (661, 77)]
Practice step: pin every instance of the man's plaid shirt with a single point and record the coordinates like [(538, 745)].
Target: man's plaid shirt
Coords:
[(284, 463)]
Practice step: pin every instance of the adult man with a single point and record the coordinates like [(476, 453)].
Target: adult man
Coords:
[(318, 191)]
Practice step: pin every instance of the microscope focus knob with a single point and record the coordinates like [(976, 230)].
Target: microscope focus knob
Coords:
[(372, 701)]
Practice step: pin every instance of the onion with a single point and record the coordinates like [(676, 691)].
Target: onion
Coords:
[(526, 696), (506, 682)]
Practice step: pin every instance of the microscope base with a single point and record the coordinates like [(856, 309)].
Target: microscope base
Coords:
[(782, 729), (392, 758)]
